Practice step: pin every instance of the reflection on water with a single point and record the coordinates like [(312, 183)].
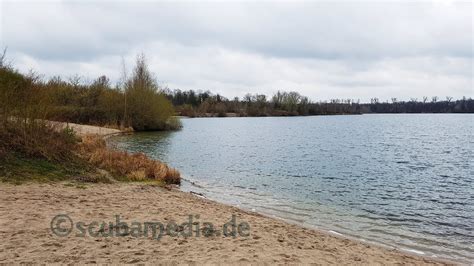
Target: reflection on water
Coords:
[(400, 180)]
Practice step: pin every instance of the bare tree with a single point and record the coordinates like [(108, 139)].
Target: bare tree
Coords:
[(75, 80), (248, 98), (2, 57)]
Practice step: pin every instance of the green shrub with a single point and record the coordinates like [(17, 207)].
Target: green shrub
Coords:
[(148, 107)]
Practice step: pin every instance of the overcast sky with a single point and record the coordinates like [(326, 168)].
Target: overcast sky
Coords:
[(324, 50)]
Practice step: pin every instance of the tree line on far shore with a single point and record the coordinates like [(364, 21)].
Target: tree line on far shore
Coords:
[(204, 103)]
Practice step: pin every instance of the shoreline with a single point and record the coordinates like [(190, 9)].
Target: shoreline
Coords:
[(235, 115), (270, 240), (330, 231), (396, 253)]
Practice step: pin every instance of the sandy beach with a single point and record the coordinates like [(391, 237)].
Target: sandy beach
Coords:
[(83, 130), (26, 213)]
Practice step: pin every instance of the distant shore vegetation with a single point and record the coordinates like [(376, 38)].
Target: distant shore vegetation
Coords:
[(204, 103)]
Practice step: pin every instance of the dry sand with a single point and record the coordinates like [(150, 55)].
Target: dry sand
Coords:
[(26, 212), (82, 130)]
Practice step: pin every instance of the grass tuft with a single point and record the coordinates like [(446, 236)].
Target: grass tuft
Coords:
[(135, 167)]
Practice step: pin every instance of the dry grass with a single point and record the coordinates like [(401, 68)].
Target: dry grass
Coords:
[(3, 152), (36, 139), (136, 167)]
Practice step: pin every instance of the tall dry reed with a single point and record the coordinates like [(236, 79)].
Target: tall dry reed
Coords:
[(136, 166)]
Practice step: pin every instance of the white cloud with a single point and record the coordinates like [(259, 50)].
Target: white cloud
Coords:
[(323, 50)]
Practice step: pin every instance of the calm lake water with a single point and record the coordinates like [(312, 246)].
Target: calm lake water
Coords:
[(405, 181)]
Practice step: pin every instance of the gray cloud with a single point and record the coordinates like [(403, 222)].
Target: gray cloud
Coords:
[(324, 50)]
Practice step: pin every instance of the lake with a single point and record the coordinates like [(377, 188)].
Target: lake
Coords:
[(399, 180)]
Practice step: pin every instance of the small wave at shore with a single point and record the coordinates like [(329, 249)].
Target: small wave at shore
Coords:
[(383, 235)]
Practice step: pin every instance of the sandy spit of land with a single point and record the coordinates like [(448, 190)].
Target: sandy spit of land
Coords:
[(26, 212), (82, 130)]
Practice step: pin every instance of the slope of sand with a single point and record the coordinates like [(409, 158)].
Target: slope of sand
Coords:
[(26, 212)]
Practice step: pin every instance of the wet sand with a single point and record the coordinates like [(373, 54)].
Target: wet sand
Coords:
[(26, 212)]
